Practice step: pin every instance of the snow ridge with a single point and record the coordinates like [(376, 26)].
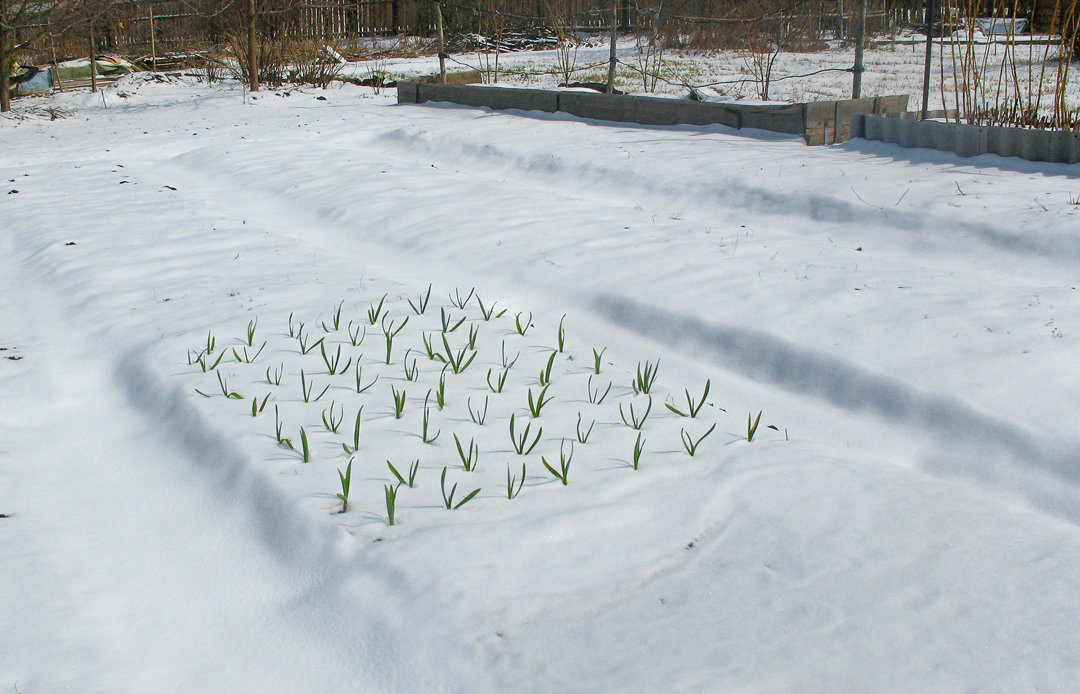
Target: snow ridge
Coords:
[(729, 190), (1043, 468)]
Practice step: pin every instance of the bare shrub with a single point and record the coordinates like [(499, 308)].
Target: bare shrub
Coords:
[(563, 18), (314, 62), (214, 67), (650, 43), (271, 56), (769, 32)]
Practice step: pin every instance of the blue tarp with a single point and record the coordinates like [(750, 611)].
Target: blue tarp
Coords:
[(39, 82)]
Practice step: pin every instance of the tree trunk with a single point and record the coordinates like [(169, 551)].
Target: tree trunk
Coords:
[(5, 85), (5, 54), (93, 61), (5, 74), (253, 49)]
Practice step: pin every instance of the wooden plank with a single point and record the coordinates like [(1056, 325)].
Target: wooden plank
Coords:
[(83, 82)]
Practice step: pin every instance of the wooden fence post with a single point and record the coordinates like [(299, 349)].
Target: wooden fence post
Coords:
[(860, 36), (153, 43), (442, 43), (612, 59)]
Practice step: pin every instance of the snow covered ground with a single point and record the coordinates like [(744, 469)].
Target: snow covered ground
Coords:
[(892, 66), (904, 519)]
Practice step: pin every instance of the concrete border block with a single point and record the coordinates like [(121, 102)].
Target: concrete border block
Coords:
[(1057, 146), (705, 113), (1066, 147), (792, 119), (593, 105), (498, 98), (964, 140), (781, 118), (407, 92), (1060, 146), (858, 125), (908, 134)]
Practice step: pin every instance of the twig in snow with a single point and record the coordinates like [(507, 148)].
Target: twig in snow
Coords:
[(861, 200)]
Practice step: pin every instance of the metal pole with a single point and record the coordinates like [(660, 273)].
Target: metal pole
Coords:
[(857, 70), (614, 34), (931, 11)]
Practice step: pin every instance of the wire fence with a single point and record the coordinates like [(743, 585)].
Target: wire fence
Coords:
[(637, 69)]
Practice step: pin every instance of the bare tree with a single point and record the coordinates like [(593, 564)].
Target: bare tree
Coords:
[(263, 21), (22, 22)]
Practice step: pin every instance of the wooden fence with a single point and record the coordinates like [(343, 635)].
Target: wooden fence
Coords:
[(173, 23), (131, 23)]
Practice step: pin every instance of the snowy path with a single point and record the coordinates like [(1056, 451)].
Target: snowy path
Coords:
[(156, 545)]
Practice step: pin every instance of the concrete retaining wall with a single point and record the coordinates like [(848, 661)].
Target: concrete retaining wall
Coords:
[(782, 118), (474, 95), (1060, 146)]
